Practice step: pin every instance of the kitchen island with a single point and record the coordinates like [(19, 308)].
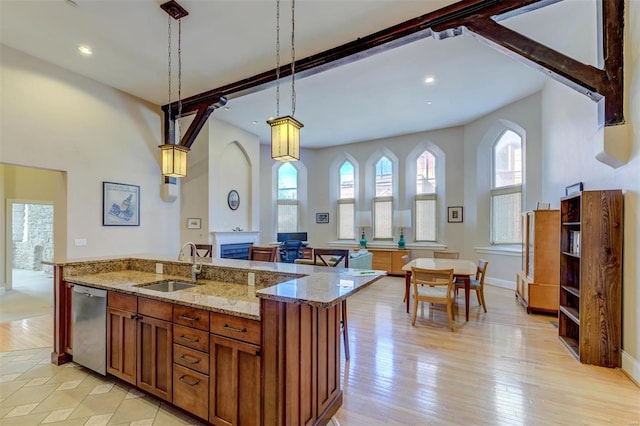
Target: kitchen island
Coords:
[(224, 350)]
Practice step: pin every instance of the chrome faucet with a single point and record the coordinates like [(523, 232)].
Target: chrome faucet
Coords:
[(196, 268)]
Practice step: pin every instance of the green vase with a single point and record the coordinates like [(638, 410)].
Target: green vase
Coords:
[(363, 241), (401, 242)]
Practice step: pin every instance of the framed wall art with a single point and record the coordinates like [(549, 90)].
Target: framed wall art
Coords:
[(120, 204), (455, 214), (573, 189), (322, 217)]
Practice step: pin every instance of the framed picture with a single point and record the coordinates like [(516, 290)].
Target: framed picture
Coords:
[(455, 214), (193, 223), (233, 199), (120, 204), (322, 217), (573, 189)]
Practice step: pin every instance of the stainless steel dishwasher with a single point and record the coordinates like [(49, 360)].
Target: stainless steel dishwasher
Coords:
[(90, 328)]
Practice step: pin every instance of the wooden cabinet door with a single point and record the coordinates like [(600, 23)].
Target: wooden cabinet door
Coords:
[(155, 345), (397, 262), (234, 396), (121, 344)]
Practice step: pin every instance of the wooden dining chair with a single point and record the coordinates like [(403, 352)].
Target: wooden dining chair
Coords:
[(446, 255), (435, 286), (203, 250), (477, 283), (264, 254), (334, 257)]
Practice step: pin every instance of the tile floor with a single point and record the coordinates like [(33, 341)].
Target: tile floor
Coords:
[(35, 392)]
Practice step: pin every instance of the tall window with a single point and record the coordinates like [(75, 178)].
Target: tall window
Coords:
[(346, 202), (426, 198), (288, 205), (383, 201), (506, 192)]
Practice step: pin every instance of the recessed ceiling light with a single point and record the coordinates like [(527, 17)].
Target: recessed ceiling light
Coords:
[(429, 102), (71, 3), (255, 122), (85, 50), (430, 79)]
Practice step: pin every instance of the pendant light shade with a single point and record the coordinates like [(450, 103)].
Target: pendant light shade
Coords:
[(174, 160), (285, 138)]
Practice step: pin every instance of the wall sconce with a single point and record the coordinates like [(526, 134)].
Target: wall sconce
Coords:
[(174, 160), (403, 220), (363, 219)]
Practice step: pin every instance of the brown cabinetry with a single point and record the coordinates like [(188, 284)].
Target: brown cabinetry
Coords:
[(191, 360), (589, 318), (235, 363), (537, 282), (389, 260), (139, 342)]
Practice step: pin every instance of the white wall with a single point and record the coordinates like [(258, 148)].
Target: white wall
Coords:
[(194, 191), (56, 120), (234, 163)]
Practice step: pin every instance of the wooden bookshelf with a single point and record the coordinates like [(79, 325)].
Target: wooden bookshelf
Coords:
[(589, 318)]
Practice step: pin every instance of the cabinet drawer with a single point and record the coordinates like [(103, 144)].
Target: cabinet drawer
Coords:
[(155, 308), (192, 338), (191, 391), (124, 302), (235, 327), (191, 317), (191, 358)]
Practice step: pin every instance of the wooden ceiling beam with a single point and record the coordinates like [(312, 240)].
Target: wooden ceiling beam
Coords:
[(477, 17)]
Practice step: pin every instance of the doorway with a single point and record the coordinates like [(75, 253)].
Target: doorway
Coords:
[(29, 239)]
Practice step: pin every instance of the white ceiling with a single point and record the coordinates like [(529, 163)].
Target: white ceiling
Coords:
[(224, 41)]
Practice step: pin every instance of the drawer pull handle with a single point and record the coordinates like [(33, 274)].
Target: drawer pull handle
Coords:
[(186, 382), (186, 339), (186, 318), (183, 358), (237, 330)]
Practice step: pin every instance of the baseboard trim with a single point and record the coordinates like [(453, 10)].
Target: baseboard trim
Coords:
[(509, 285), (631, 368)]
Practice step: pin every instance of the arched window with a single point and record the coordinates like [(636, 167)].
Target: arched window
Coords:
[(346, 202), (383, 200), (506, 191), (288, 205), (425, 198)]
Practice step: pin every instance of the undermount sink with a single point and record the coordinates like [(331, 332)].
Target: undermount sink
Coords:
[(167, 286)]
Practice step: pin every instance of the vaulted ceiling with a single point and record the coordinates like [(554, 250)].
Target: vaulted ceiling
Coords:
[(224, 41)]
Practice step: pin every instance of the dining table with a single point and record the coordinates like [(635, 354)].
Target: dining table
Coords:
[(462, 271)]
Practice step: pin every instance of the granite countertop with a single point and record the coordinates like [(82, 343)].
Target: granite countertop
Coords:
[(316, 285), (228, 298)]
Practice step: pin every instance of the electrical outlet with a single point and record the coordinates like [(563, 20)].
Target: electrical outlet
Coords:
[(252, 278), (80, 242), (158, 268)]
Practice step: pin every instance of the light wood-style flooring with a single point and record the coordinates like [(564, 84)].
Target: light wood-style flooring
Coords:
[(501, 368)]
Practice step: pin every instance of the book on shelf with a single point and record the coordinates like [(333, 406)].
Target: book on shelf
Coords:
[(574, 242)]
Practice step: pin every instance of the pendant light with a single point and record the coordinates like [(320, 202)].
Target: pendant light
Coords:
[(285, 131), (174, 155)]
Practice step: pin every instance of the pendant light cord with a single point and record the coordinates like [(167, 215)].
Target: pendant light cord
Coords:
[(277, 58), (293, 57), (169, 71)]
